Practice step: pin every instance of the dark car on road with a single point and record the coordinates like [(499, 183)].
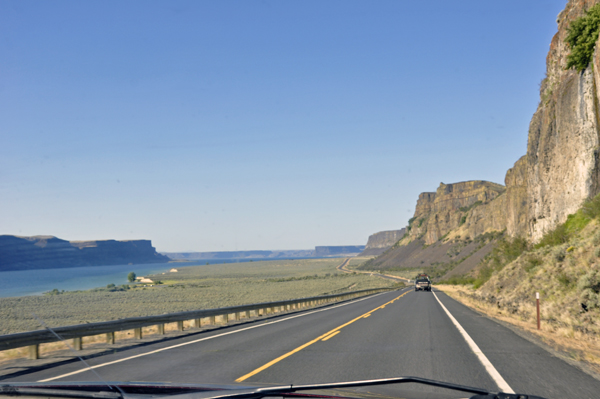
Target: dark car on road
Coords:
[(423, 283)]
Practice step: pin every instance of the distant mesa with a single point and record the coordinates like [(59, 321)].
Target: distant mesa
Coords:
[(233, 255), (49, 252), (321, 252), (345, 250)]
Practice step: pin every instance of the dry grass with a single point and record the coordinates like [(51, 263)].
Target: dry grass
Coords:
[(556, 273), (566, 277), (575, 344)]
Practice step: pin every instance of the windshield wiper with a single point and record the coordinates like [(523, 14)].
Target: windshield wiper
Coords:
[(70, 391), (290, 389), (11, 390)]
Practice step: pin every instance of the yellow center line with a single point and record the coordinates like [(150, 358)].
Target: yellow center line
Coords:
[(323, 337), (331, 336)]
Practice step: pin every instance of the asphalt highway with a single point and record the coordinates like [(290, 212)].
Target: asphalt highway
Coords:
[(400, 333)]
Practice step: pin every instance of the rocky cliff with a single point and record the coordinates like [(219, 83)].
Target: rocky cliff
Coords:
[(563, 142), (379, 242), (560, 170), (47, 252), (437, 214)]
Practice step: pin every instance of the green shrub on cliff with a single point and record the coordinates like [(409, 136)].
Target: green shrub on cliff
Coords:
[(574, 224), (581, 37)]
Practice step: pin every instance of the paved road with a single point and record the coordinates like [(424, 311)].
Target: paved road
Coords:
[(343, 267), (386, 335)]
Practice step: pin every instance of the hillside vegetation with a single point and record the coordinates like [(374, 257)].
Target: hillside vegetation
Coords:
[(564, 267)]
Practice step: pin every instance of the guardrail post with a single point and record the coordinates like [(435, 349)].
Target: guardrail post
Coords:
[(137, 333), (212, 320), (161, 329), (34, 352), (237, 316), (77, 343), (180, 325), (225, 319), (197, 323), (110, 338)]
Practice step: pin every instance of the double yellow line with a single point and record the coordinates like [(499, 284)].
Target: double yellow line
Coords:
[(323, 337)]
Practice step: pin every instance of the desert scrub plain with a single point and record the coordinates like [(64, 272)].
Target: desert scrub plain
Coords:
[(191, 288)]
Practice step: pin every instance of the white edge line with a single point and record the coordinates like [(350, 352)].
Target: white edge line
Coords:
[(203, 339), (502, 384)]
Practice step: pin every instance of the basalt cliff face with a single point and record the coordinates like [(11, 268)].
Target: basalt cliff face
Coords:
[(560, 170), (563, 142), (379, 242), (437, 214), (47, 252)]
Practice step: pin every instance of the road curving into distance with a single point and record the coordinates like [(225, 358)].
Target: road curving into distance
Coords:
[(343, 267), (398, 333)]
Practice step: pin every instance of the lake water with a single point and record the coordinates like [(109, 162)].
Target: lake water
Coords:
[(36, 282)]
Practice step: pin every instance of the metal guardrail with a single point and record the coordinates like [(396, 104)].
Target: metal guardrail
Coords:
[(33, 339)]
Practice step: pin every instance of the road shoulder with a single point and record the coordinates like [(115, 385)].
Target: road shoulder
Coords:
[(570, 354)]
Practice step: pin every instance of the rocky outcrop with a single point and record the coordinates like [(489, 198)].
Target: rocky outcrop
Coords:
[(47, 252), (379, 242), (560, 170), (436, 215), (563, 142), (507, 212), (516, 199), (384, 239)]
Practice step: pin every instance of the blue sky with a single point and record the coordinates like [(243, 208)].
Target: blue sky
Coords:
[(240, 125)]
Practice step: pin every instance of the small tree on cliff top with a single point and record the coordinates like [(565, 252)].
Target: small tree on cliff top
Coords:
[(582, 35)]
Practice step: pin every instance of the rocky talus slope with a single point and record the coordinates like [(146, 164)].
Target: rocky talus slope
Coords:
[(452, 228), (47, 252)]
